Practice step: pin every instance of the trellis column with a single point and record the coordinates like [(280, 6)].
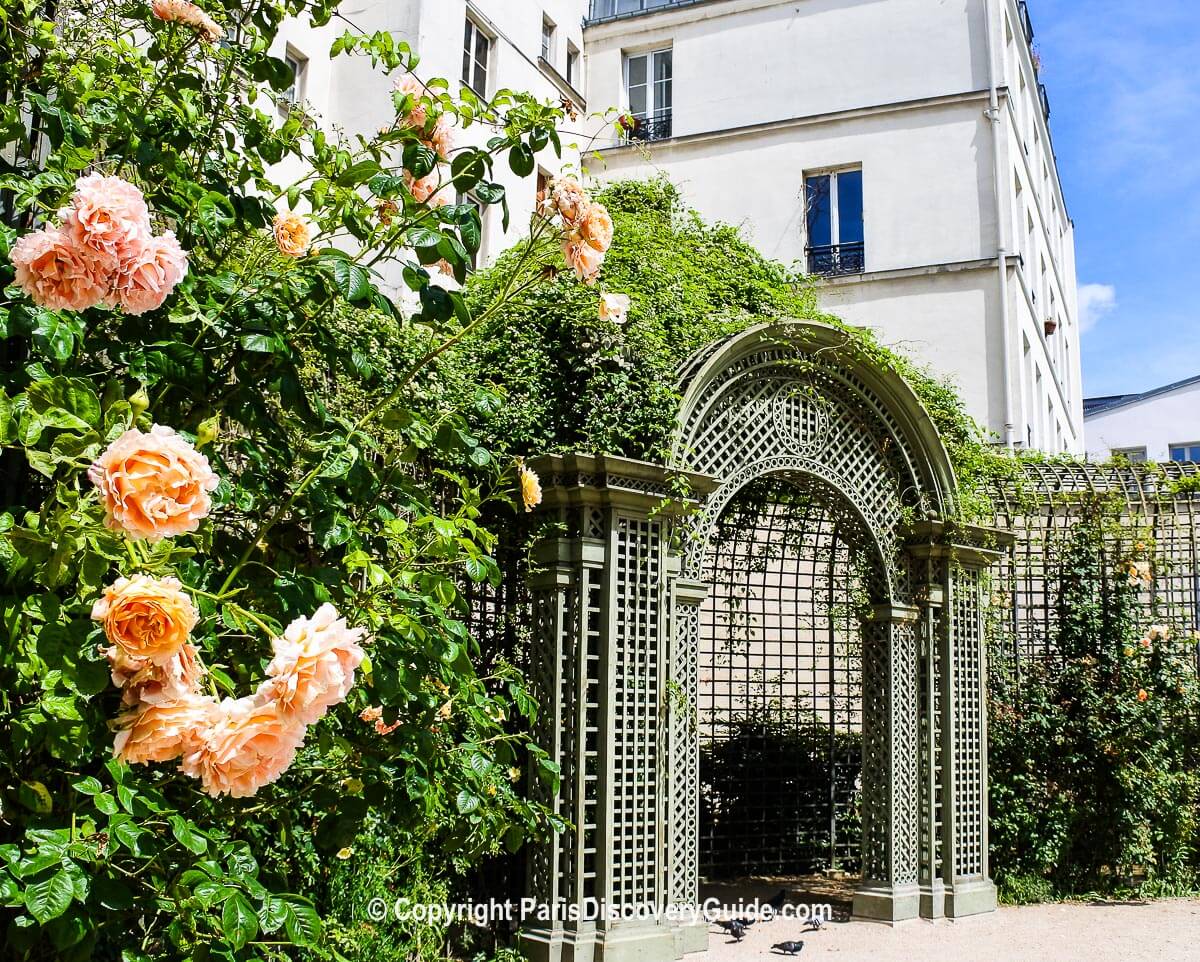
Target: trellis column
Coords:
[(961, 555), (602, 591), (889, 890)]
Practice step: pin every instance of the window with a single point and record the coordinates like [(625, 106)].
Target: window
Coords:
[(613, 8), (477, 46), (547, 40), (1132, 455), (648, 94), (481, 210), (298, 64), (1186, 452), (572, 65), (834, 218)]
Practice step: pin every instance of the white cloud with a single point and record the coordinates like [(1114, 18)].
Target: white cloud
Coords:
[(1095, 300)]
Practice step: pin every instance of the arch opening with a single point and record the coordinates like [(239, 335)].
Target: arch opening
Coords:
[(792, 572)]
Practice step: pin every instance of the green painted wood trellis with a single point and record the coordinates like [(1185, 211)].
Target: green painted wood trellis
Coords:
[(616, 596)]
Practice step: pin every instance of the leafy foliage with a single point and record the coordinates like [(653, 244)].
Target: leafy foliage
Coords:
[(340, 484), (1093, 761)]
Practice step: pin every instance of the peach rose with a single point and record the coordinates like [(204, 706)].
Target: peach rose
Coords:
[(56, 274), (246, 743), (142, 680), (151, 275), (292, 235), (313, 667), (107, 220), (410, 86), (181, 11), (596, 227), (153, 485), (584, 259), (531, 486), (146, 618), (570, 200), (158, 733), (442, 139), (613, 307), (424, 188)]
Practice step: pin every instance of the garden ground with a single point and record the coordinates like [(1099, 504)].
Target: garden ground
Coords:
[(1167, 931)]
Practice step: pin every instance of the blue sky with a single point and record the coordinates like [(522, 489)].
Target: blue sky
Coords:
[(1124, 83)]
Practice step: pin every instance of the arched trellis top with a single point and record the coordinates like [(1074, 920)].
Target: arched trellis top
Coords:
[(807, 398)]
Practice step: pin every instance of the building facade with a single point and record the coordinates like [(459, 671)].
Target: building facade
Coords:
[(1158, 425), (487, 45), (902, 150)]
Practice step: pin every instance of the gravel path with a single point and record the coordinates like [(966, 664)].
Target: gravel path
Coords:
[(1166, 931)]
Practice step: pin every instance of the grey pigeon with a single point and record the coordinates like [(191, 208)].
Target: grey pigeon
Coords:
[(791, 948)]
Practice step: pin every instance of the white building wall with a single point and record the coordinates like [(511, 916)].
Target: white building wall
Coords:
[(765, 91), (1155, 423)]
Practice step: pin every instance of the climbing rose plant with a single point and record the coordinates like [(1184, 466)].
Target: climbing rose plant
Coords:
[(233, 601)]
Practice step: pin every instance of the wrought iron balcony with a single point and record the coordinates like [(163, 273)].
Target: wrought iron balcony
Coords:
[(646, 129), (1026, 21), (619, 9), (834, 259)]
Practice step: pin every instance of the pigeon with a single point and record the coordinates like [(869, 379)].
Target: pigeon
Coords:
[(815, 924), (737, 930), (791, 948), (745, 923), (775, 903)]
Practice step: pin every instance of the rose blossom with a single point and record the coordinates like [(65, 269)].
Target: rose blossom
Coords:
[(531, 486), (424, 188), (142, 680), (313, 667), (291, 235), (181, 11), (158, 733), (596, 227), (570, 200), (247, 743), (108, 220), (584, 259), (409, 85), (56, 273), (152, 274), (613, 307), (442, 139), (153, 485), (146, 618)]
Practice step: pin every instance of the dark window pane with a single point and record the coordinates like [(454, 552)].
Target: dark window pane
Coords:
[(1178, 454), (819, 213), (480, 79), (628, 6), (662, 65), (466, 71), (850, 207), (481, 48), (637, 71)]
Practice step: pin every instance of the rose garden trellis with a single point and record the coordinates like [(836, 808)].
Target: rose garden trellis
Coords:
[(663, 613)]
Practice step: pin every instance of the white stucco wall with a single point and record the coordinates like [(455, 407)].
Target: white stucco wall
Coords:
[(1155, 423)]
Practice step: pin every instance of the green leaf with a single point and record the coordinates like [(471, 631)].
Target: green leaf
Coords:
[(35, 797), (520, 159), (238, 921), (358, 173), (88, 786), (51, 897), (303, 925), (466, 802), (352, 280), (185, 835)]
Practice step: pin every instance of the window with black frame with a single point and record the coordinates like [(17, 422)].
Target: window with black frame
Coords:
[(834, 220), (648, 93), (477, 48)]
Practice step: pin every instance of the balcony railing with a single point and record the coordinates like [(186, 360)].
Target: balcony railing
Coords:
[(1026, 21), (645, 129), (834, 259), (617, 9)]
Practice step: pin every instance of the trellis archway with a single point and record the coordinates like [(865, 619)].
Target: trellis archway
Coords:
[(617, 622)]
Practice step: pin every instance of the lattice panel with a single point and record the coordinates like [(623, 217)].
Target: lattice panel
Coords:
[(548, 609), (779, 691), (683, 876), (876, 776), (905, 774), (1040, 508), (966, 647), (636, 696)]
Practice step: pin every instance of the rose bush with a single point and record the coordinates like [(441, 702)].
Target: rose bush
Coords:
[(233, 544)]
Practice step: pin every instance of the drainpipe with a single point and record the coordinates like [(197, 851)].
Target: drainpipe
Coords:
[(993, 114)]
